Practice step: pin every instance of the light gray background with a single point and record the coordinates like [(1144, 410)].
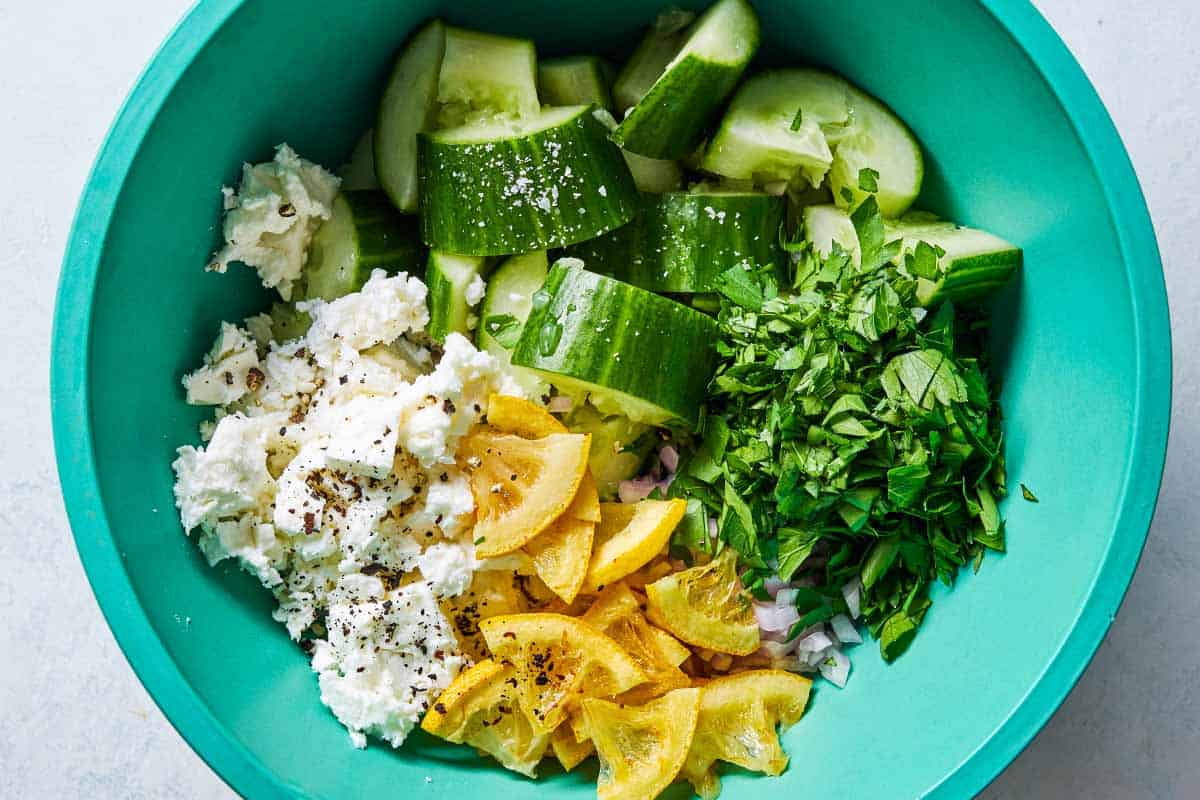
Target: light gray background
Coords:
[(74, 721)]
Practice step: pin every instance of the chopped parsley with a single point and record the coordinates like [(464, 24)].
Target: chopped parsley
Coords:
[(849, 433)]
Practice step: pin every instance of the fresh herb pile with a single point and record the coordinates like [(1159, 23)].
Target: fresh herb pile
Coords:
[(849, 433)]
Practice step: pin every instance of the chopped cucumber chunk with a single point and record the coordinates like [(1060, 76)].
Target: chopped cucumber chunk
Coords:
[(619, 445), (668, 117), (359, 171), (365, 232), (877, 139), (621, 346), (505, 308), (484, 76), (574, 81), (287, 322), (451, 280)]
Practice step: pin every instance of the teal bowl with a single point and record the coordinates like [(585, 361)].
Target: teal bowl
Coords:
[(1017, 143)]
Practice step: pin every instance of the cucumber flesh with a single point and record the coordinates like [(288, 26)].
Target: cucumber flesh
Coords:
[(484, 75), (445, 77), (505, 186), (650, 175), (658, 47), (619, 446), (574, 81), (876, 139), (760, 137), (363, 233), (630, 351), (359, 171), (668, 120), (451, 279), (681, 242), (505, 308), (408, 105), (973, 263), (287, 322)]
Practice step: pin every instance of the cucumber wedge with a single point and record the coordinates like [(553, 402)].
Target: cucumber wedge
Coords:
[(662, 42), (971, 263), (505, 308), (779, 127), (513, 187), (669, 117), (450, 278), (619, 446), (359, 171), (574, 81), (364, 233), (445, 77), (877, 139), (652, 175), (287, 322), (634, 352), (682, 241)]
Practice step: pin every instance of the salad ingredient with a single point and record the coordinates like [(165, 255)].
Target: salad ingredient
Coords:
[(617, 613), (520, 486), (287, 323), (510, 414), (560, 661), (502, 187), (653, 175), (737, 723), (226, 374), (272, 215), (619, 445), (453, 281), (876, 139), (629, 536), (843, 428), (593, 335), (481, 708), (359, 171), (573, 81), (363, 233), (491, 593), (506, 306), (560, 554), (706, 606), (446, 76), (681, 242), (569, 752), (641, 748), (667, 117)]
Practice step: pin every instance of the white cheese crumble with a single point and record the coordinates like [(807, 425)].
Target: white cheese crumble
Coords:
[(272, 215), (330, 475)]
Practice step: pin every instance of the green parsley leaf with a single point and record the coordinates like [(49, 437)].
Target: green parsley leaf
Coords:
[(741, 286), (868, 180), (798, 120), (795, 546), (1028, 495), (897, 634), (906, 483), (504, 328)]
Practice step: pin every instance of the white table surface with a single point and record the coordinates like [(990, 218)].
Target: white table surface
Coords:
[(75, 722)]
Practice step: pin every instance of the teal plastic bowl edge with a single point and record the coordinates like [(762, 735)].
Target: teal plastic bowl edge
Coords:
[(103, 564)]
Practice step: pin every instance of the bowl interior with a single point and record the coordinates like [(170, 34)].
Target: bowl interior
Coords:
[(1002, 154)]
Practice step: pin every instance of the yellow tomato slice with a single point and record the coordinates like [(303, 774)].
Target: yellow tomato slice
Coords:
[(480, 708), (559, 661), (520, 485), (560, 555), (641, 748), (491, 593), (514, 415), (738, 718), (706, 606), (629, 536)]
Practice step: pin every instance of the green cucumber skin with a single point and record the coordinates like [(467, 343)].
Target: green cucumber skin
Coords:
[(971, 278), (383, 239), (470, 207), (668, 122), (680, 242), (448, 309), (622, 338)]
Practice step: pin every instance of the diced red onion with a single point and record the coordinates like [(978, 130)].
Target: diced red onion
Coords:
[(814, 643), (852, 592), (561, 403), (634, 490), (785, 596), (712, 528), (844, 630), (669, 457), (772, 617), (777, 650), (836, 668), (772, 586)]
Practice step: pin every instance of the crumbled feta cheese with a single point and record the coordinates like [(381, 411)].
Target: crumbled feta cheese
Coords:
[(475, 291), (366, 438), (271, 218), (386, 308), (227, 371), (227, 477), (447, 567)]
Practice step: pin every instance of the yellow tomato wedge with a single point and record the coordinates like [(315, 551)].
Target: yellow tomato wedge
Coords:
[(641, 748), (560, 555), (491, 593), (567, 749), (520, 485), (480, 708), (738, 717), (674, 651), (559, 661), (630, 535), (706, 606), (586, 505), (509, 414), (617, 613)]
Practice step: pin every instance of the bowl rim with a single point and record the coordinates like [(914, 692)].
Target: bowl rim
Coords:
[(244, 772)]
